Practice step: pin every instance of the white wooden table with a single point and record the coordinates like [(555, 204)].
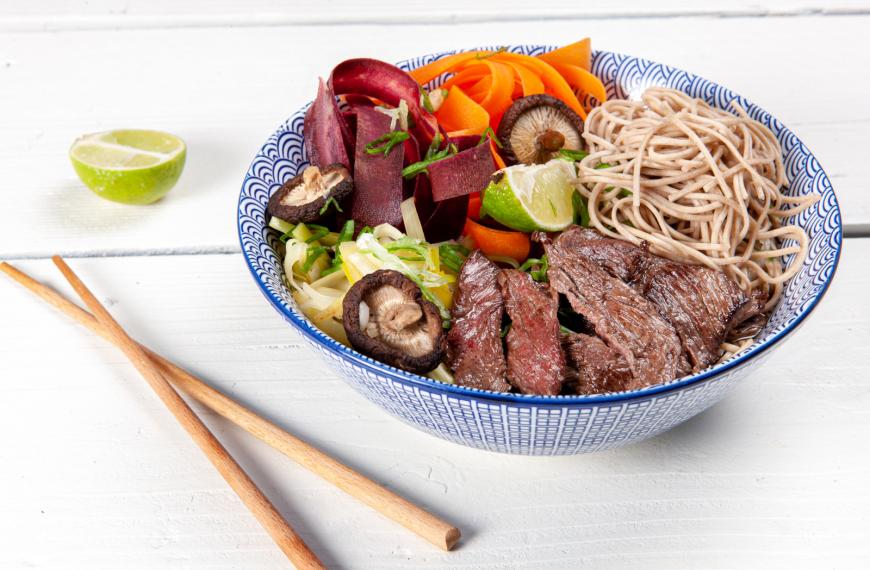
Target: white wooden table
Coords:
[(95, 474)]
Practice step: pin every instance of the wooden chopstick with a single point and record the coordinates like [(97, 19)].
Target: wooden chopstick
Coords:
[(406, 513), (278, 528)]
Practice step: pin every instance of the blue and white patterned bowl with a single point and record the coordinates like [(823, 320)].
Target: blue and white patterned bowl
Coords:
[(551, 425)]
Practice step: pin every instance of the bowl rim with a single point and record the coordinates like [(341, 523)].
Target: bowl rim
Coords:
[(380, 369)]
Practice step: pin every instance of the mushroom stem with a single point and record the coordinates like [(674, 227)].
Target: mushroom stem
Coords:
[(551, 140), (398, 317)]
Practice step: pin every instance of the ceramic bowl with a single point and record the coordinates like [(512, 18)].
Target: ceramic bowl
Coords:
[(551, 425)]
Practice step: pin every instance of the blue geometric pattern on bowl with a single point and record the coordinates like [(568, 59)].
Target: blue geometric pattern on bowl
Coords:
[(551, 425)]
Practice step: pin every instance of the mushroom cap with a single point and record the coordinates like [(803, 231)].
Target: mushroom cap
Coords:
[(301, 198), (386, 317), (535, 128)]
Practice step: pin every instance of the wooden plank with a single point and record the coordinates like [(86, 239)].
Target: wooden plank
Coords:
[(772, 477), (224, 90), (114, 14)]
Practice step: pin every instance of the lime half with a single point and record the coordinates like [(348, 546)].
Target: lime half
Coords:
[(532, 197), (129, 166)]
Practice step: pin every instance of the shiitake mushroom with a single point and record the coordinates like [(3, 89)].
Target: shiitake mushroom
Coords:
[(536, 127), (386, 317), (302, 198)]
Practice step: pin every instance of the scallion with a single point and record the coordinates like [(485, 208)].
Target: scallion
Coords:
[(313, 254), (330, 202), (385, 143), (489, 133), (317, 232), (575, 155), (346, 233)]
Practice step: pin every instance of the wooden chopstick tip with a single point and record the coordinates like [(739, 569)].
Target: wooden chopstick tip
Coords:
[(451, 538)]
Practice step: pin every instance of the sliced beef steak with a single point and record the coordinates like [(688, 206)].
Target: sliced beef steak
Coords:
[(596, 367), (625, 320), (621, 259), (535, 364), (474, 350), (701, 303)]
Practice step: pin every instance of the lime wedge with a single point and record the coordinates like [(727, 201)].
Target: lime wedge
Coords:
[(129, 166), (532, 197)]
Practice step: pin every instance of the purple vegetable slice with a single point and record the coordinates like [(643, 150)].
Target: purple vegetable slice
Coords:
[(325, 130), (461, 174), (447, 219), (384, 82), (377, 196)]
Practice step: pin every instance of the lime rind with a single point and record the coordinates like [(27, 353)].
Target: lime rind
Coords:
[(129, 166), (532, 197)]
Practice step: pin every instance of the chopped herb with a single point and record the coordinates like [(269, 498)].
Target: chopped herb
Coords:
[(425, 102), (623, 193), (286, 236), (385, 143), (452, 255), (565, 330), (317, 232), (505, 329), (575, 155), (313, 254), (603, 165), (346, 233), (329, 202), (489, 133), (413, 170), (331, 269), (542, 265), (553, 207), (581, 210), (408, 244), (367, 230), (482, 55), (433, 146)]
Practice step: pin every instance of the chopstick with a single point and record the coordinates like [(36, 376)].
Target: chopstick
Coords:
[(278, 528), (440, 533)]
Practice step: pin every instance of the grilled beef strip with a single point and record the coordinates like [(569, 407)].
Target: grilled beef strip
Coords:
[(474, 348), (621, 259), (620, 316), (701, 303), (535, 364), (595, 367)]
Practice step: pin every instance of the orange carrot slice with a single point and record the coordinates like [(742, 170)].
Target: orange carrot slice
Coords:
[(554, 83), (583, 81), (498, 98), (530, 82), (428, 72), (498, 242), (578, 53), (461, 113), (466, 77)]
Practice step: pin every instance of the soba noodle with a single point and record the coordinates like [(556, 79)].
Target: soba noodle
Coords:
[(699, 184)]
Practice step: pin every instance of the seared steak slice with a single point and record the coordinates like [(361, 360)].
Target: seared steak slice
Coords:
[(620, 316), (701, 303), (596, 367), (534, 355), (621, 259), (474, 350)]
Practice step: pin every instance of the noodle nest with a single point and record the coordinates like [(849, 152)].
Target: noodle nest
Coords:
[(698, 184)]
